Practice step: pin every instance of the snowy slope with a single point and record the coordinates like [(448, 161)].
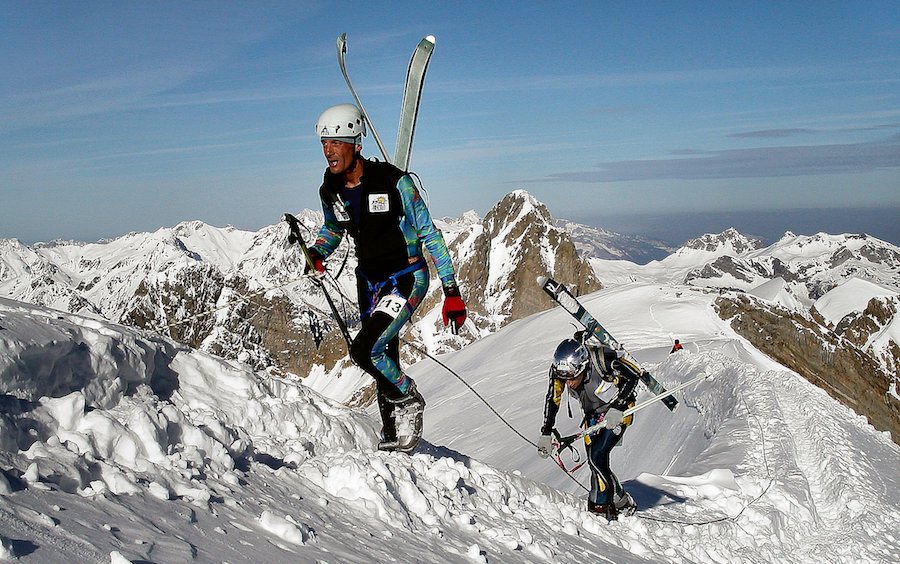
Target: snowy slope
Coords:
[(851, 297), (777, 291), (185, 457)]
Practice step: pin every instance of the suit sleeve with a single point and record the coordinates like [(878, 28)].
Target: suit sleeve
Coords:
[(330, 234), (426, 233), (626, 382), (551, 405)]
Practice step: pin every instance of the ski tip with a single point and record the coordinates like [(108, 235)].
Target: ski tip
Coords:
[(541, 280), (430, 38)]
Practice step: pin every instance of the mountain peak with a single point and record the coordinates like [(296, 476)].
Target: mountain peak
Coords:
[(517, 239), (518, 205), (729, 240)]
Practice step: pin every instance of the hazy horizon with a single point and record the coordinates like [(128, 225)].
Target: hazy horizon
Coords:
[(676, 227)]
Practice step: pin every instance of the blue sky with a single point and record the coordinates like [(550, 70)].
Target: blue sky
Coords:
[(130, 116)]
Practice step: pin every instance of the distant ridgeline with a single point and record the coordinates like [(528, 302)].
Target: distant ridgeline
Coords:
[(242, 295)]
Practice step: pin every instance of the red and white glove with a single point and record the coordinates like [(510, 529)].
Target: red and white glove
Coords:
[(318, 263), (454, 310)]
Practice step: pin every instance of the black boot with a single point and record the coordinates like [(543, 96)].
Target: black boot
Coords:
[(388, 425), (606, 510)]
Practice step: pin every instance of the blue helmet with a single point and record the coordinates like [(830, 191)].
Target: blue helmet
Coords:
[(570, 360)]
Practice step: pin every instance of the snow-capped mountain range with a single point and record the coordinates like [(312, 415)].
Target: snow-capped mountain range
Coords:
[(824, 305), (813, 265), (600, 243), (241, 295)]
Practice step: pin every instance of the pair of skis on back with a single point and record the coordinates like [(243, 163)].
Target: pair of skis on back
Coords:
[(409, 109), (409, 112)]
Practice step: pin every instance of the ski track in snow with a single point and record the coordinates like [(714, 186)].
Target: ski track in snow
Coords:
[(839, 478)]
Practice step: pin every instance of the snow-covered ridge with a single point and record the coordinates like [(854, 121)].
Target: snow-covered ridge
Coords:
[(115, 447), (852, 296), (729, 241), (812, 265)]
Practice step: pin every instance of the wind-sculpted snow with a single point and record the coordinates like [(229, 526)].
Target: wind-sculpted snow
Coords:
[(121, 446)]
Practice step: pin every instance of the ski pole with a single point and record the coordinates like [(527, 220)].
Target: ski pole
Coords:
[(294, 225), (596, 427)]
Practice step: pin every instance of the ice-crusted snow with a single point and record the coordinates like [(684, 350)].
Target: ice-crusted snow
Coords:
[(121, 446)]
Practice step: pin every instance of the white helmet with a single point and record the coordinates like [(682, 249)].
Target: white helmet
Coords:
[(343, 121)]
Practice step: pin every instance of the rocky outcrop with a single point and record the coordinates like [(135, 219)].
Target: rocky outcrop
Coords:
[(826, 359), (515, 243), (860, 327)]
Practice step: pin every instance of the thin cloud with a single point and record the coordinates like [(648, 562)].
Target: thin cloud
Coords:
[(763, 162), (773, 133), (795, 131), (705, 76)]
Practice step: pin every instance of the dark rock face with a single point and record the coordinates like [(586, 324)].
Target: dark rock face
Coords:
[(516, 243), (830, 361)]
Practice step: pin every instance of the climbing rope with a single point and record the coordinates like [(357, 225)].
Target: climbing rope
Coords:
[(421, 350)]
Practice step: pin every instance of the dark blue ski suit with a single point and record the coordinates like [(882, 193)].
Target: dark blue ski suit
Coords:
[(610, 383)]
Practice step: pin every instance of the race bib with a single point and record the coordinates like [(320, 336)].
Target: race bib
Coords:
[(391, 304), (379, 203)]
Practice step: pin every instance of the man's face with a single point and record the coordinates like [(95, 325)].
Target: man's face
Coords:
[(339, 155), (575, 382)]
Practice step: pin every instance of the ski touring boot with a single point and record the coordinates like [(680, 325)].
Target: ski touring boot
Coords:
[(408, 415), (625, 504), (388, 426), (606, 510)]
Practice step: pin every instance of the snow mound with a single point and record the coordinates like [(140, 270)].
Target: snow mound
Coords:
[(778, 292), (851, 296)]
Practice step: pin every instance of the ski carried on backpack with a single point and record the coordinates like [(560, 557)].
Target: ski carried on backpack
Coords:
[(412, 93), (563, 297), (342, 61)]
